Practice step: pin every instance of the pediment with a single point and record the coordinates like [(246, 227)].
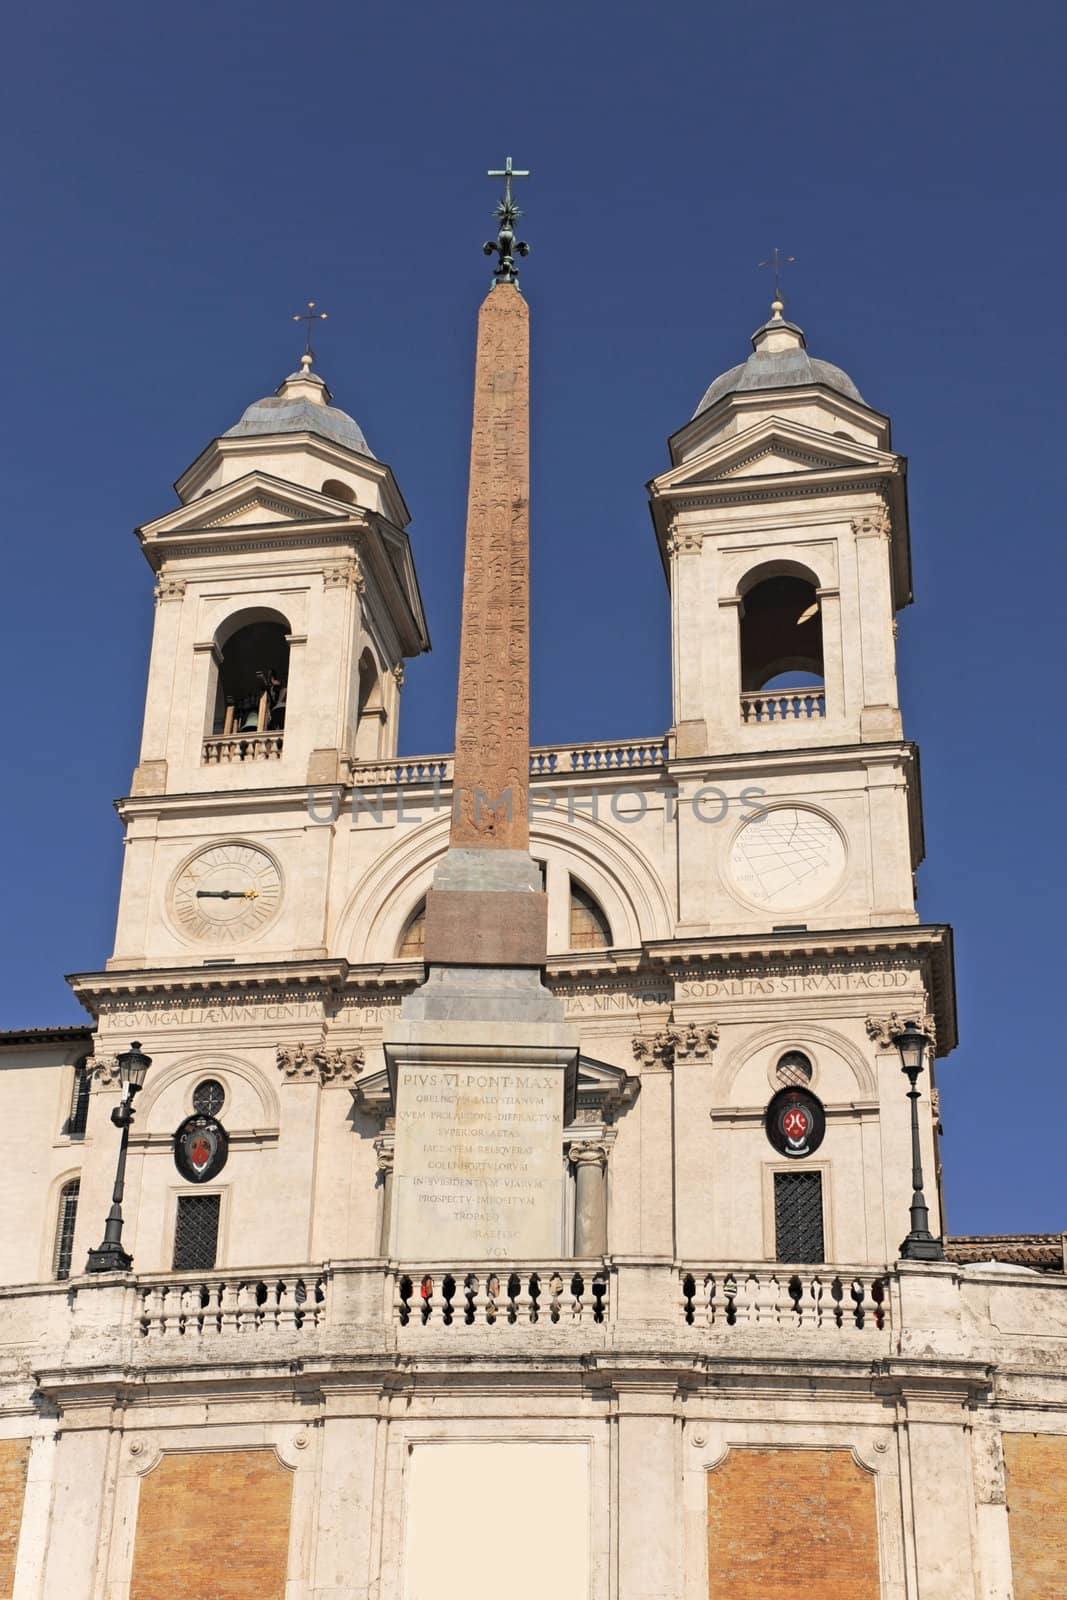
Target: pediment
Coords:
[(773, 448), (255, 500)]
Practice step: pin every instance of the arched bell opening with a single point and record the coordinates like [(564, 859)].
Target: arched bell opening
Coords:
[(370, 712), (781, 646), (781, 634), (252, 678), (339, 491)]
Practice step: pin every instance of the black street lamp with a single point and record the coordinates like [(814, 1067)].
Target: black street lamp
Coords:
[(110, 1256), (920, 1245)]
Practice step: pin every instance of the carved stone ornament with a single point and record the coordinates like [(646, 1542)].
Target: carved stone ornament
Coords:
[(386, 1155), (678, 540), (319, 1065), (398, 674), (338, 1065), (169, 588), (103, 1071), (883, 1030), (698, 1039), (872, 523), (589, 1155), (659, 1046), (345, 575)]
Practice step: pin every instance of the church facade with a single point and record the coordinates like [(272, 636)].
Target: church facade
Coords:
[(723, 1373)]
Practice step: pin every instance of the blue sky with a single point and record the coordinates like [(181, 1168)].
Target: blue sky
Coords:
[(179, 180)]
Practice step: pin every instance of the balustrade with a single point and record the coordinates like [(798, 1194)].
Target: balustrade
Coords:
[(783, 705), (507, 1297), (623, 755), (811, 1298), (221, 749), (193, 1307)]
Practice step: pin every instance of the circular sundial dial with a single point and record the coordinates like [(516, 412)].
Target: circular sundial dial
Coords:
[(787, 859), (226, 893)]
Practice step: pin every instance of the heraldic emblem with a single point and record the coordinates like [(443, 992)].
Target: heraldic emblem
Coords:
[(795, 1122), (201, 1146)]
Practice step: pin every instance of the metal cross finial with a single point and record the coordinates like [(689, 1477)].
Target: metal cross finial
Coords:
[(776, 263), (309, 316), (505, 246)]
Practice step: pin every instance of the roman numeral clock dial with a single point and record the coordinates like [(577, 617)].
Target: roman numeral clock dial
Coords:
[(226, 894)]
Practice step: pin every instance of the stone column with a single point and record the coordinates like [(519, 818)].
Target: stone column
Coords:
[(385, 1168), (590, 1162)]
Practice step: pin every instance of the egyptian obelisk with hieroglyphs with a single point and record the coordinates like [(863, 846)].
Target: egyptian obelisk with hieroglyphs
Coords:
[(482, 1066)]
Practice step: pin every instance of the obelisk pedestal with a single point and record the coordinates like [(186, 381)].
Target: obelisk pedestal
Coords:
[(482, 1065)]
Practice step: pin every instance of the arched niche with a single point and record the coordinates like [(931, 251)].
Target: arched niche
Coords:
[(251, 677)]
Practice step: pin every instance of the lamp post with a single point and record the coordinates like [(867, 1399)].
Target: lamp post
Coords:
[(920, 1244), (110, 1256)]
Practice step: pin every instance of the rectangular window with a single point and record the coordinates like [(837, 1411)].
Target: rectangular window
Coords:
[(65, 1223), (798, 1234), (78, 1115), (196, 1232)]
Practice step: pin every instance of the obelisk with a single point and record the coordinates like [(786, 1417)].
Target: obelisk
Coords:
[(482, 1065)]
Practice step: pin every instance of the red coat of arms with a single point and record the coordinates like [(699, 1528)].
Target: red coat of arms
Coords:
[(200, 1148)]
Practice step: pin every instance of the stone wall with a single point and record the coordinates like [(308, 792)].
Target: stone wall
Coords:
[(782, 1522), (1037, 1513), (14, 1458), (213, 1522)]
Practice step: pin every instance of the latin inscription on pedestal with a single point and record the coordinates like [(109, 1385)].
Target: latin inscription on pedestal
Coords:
[(478, 1170)]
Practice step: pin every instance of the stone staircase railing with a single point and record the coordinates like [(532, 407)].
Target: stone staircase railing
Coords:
[(198, 1305), (820, 1298), (502, 1297)]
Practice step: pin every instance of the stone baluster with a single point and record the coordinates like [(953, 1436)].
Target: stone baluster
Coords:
[(815, 1290), (286, 1306), (590, 1162), (767, 1309), (227, 1307)]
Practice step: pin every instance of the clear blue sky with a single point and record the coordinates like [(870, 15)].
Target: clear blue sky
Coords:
[(179, 180)]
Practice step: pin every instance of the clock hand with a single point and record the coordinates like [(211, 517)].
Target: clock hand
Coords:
[(227, 894)]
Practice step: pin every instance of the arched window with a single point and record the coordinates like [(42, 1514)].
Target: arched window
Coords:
[(589, 927), (339, 491), (66, 1218), (253, 679), (781, 635), (78, 1115), (793, 1070), (209, 1097), (413, 939), (370, 710)]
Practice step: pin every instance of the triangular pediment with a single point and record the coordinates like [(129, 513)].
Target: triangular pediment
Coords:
[(256, 500), (773, 448)]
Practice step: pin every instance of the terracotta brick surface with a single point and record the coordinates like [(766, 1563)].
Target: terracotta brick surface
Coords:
[(789, 1522), (14, 1457), (1037, 1513), (214, 1525)]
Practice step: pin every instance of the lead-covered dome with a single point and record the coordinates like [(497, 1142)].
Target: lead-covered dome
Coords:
[(302, 405), (779, 360)]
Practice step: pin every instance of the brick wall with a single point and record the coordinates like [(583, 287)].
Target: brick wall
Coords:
[(785, 1522), (215, 1523), (1037, 1513), (14, 1457)]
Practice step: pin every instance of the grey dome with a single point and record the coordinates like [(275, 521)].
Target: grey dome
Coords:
[(289, 412), (786, 368)]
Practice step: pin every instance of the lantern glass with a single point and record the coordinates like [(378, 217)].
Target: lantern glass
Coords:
[(133, 1066), (912, 1046)]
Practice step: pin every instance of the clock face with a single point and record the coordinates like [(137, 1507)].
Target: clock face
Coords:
[(226, 893), (787, 859)]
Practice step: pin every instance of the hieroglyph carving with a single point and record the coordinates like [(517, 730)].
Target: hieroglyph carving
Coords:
[(492, 714)]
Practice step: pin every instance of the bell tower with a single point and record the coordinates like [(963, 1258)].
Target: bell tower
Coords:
[(286, 604), (783, 527)]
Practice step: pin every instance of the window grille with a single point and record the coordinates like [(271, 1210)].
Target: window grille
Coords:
[(798, 1232), (78, 1115), (794, 1070), (65, 1221), (196, 1232), (209, 1097)]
